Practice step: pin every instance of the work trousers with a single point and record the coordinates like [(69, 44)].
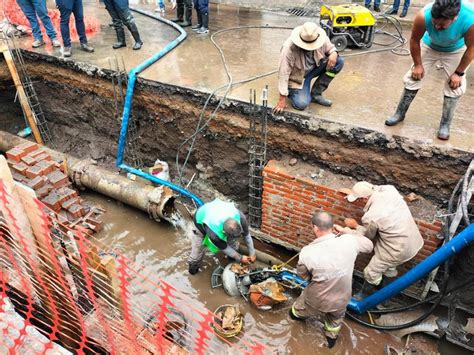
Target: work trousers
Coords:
[(449, 62), (198, 250), (184, 4), (34, 9), (376, 3), (301, 98), (201, 6), (66, 8), (379, 267), (396, 5), (120, 13), (332, 321)]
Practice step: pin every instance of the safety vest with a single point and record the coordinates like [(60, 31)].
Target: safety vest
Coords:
[(214, 214)]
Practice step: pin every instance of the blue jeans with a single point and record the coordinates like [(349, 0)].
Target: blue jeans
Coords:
[(396, 5), (301, 98), (376, 3), (201, 6), (160, 4), (34, 9), (66, 8)]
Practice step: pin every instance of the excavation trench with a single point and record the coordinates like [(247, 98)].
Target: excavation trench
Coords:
[(78, 101)]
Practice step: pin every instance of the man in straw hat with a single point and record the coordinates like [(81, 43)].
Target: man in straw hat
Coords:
[(387, 214), (218, 226), (306, 55)]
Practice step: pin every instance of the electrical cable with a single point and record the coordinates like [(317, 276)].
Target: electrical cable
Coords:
[(199, 128)]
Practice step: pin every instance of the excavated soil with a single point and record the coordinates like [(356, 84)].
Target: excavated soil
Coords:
[(78, 101)]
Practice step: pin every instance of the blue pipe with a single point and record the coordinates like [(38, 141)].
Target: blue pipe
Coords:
[(132, 77), (441, 255)]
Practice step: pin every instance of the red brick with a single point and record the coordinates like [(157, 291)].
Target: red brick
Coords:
[(52, 200), (28, 160), (44, 191), (428, 226), (43, 157), (15, 155), (68, 203), (33, 171), (27, 147), (37, 182), (67, 193), (47, 167), (20, 168), (57, 178), (76, 211)]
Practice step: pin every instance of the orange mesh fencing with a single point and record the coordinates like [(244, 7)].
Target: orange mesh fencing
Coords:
[(62, 292)]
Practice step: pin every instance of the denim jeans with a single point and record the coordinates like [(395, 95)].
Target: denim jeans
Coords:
[(301, 98), (160, 4), (201, 6), (34, 9), (66, 8), (396, 5), (376, 3)]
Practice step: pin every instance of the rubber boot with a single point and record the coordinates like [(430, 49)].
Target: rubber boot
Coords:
[(321, 84), (179, 14), (449, 106), (386, 281), (402, 108), (392, 12), (205, 24), (404, 13), (199, 23), (366, 290), (331, 342), (120, 38), (136, 36), (193, 269), (188, 13)]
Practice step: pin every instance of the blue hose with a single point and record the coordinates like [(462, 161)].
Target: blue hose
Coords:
[(453, 247), (132, 77)]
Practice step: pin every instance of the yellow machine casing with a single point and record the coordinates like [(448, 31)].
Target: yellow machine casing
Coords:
[(349, 15)]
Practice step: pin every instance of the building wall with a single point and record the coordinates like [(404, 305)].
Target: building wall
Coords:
[(289, 202)]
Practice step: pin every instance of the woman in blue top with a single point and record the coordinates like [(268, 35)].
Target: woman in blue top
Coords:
[(442, 32)]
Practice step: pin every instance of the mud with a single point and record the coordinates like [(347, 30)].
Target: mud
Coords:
[(165, 115), (160, 251)]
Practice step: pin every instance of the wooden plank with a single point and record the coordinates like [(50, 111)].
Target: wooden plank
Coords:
[(25, 105)]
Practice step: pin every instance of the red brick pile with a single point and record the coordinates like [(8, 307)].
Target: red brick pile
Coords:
[(289, 201), (33, 167)]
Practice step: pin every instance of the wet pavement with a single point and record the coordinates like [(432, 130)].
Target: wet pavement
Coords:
[(364, 94), (160, 251)]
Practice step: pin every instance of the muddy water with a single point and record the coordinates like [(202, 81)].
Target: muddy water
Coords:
[(161, 250)]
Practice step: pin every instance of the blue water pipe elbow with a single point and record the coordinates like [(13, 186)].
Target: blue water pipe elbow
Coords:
[(441, 255), (132, 77)]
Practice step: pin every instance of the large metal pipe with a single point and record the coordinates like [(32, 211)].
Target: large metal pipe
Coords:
[(157, 201)]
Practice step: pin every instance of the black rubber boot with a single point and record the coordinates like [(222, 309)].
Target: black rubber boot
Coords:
[(393, 12), (205, 24), (294, 316), (199, 24), (386, 281), (366, 290), (402, 108), (321, 84), (449, 106), (136, 36), (120, 38), (188, 13), (331, 342), (193, 269), (404, 13), (179, 13)]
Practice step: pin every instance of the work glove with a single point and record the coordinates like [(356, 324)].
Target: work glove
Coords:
[(193, 269)]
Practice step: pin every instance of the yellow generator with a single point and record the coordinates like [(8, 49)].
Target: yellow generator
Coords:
[(348, 25)]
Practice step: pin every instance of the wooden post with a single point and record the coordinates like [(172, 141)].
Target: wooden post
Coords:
[(25, 105)]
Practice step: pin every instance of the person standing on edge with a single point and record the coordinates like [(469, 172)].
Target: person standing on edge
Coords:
[(32, 9), (328, 262), (396, 6), (446, 28), (121, 15), (202, 12), (184, 12), (218, 226), (307, 54), (66, 8)]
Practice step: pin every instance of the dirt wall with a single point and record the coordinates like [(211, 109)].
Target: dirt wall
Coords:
[(78, 101)]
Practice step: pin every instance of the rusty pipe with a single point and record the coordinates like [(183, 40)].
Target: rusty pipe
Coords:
[(158, 202)]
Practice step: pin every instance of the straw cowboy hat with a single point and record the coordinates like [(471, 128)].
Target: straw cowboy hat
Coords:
[(308, 36)]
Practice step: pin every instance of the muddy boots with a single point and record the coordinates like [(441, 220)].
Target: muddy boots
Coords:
[(120, 38), (321, 84), (179, 13), (331, 342), (366, 290), (205, 24), (402, 108), (188, 13), (199, 23), (449, 106), (132, 26)]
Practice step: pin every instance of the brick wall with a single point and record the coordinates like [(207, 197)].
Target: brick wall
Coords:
[(289, 202)]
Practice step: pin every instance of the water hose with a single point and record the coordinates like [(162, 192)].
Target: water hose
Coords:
[(132, 77)]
